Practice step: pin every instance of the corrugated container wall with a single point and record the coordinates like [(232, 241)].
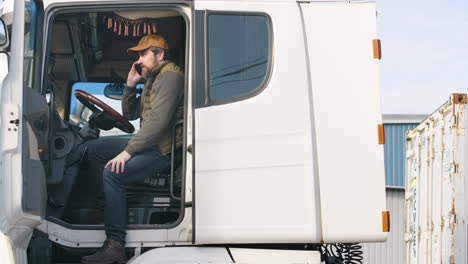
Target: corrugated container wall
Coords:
[(393, 250), (436, 189)]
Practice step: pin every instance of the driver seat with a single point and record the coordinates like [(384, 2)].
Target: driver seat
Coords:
[(158, 199)]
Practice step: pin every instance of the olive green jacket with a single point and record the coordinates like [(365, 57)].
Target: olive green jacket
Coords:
[(159, 107)]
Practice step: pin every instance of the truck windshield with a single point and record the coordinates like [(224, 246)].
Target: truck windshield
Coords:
[(80, 114)]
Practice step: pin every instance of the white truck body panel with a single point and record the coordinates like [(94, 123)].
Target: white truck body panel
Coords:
[(183, 255), (259, 256), (436, 186), (262, 150), (275, 168), (3, 67), (344, 76), (6, 250), (262, 173), (224, 255), (179, 235)]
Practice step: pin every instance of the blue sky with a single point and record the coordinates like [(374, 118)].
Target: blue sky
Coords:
[(424, 53)]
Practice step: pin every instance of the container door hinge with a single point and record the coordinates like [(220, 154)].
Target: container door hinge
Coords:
[(454, 168), (408, 237), (455, 120)]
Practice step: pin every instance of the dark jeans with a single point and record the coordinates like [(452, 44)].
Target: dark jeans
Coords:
[(143, 164)]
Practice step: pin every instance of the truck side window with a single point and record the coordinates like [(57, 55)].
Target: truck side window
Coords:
[(29, 42), (238, 55)]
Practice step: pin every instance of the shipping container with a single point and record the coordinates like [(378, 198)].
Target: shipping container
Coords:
[(436, 190)]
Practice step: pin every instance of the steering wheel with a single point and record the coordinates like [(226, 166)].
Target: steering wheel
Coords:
[(106, 118)]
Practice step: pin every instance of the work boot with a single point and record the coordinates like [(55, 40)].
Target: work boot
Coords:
[(112, 251)]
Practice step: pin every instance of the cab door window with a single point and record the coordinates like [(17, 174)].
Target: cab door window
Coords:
[(238, 55)]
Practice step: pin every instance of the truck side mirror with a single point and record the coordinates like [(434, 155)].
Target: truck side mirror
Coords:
[(114, 91), (3, 35)]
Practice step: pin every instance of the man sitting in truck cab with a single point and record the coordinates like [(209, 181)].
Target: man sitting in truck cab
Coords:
[(126, 161)]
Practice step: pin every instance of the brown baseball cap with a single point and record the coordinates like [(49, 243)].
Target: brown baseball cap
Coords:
[(147, 42)]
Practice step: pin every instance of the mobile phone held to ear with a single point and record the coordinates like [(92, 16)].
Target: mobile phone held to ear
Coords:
[(138, 68)]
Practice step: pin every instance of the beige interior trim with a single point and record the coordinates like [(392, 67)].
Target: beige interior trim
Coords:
[(146, 14)]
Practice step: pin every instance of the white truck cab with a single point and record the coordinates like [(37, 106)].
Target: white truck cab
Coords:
[(282, 138)]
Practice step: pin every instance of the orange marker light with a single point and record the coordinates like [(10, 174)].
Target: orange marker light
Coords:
[(40, 150), (377, 49), (386, 221), (381, 133)]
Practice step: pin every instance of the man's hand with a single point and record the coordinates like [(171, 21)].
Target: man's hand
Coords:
[(118, 163), (133, 76)]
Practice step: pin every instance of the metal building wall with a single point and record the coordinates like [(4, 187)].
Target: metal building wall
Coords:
[(393, 250), (394, 153)]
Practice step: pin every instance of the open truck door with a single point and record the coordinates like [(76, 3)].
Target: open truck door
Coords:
[(3, 54), (24, 130)]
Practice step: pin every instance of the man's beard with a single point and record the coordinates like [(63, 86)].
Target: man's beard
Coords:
[(145, 73)]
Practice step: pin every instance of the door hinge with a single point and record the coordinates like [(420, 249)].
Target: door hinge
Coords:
[(9, 112)]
